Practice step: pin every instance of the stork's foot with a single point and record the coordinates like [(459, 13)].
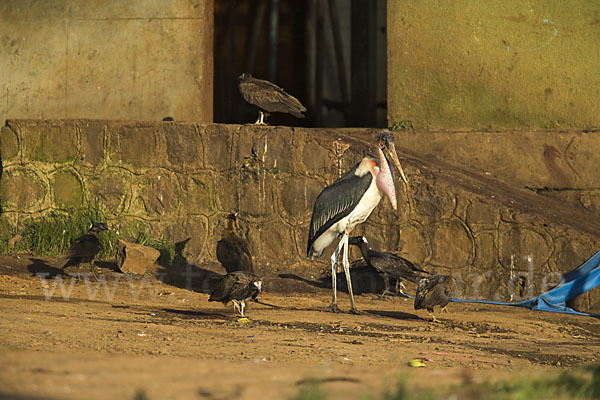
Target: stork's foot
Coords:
[(333, 307), (354, 311)]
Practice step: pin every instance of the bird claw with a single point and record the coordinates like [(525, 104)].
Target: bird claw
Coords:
[(435, 320), (354, 311)]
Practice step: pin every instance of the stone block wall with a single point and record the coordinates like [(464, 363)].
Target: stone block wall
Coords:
[(501, 241)]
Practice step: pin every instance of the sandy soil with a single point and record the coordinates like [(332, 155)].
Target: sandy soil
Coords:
[(123, 335)]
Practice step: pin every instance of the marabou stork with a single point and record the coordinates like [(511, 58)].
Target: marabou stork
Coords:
[(268, 98), (388, 265), (437, 290), (237, 287), (86, 247), (348, 202)]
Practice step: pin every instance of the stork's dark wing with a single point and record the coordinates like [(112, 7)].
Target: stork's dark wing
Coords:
[(270, 97), (436, 291), (335, 202), (396, 267), (87, 245)]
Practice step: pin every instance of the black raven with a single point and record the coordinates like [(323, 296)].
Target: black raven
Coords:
[(232, 250), (85, 248), (268, 98), (389, 265), (437, 290), (237, 287)]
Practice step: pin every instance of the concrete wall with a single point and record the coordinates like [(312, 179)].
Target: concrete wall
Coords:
[(500, 64), (189, 177), (142, 60)]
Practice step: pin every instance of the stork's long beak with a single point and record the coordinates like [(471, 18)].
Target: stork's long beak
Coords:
[(390, 151)]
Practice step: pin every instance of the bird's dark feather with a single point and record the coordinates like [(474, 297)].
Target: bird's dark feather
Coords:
[(234, 286), (395, 267), (269, 97), (335, 202), (435, 291), (85, 246), (233, 253)]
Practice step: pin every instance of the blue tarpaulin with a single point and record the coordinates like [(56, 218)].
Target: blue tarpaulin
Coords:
[(580, 280)]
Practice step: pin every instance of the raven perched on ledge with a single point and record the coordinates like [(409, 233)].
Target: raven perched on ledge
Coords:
[(268, 97), (85, 248)]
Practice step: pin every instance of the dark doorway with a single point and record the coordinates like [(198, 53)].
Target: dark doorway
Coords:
[(330, 54)]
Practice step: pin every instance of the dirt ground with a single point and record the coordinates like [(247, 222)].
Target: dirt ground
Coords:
[(124, 335)]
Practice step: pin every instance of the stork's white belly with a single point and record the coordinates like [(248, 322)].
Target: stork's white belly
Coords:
[(361, 212)]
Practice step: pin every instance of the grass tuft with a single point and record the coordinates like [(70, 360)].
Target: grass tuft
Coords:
[(52, 234), (577, 383), (165, 247), (140, 394), (312, 390)]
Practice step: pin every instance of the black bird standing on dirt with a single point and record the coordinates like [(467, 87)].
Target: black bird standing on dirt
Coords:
[(237, 287), (232, 250), (268, 98), (85, 248), (389, 265), (437, 290)]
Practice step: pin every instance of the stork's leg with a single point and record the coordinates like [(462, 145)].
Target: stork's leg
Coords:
[(346, 264), (236, 306), (334, 259), (243, 305)]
